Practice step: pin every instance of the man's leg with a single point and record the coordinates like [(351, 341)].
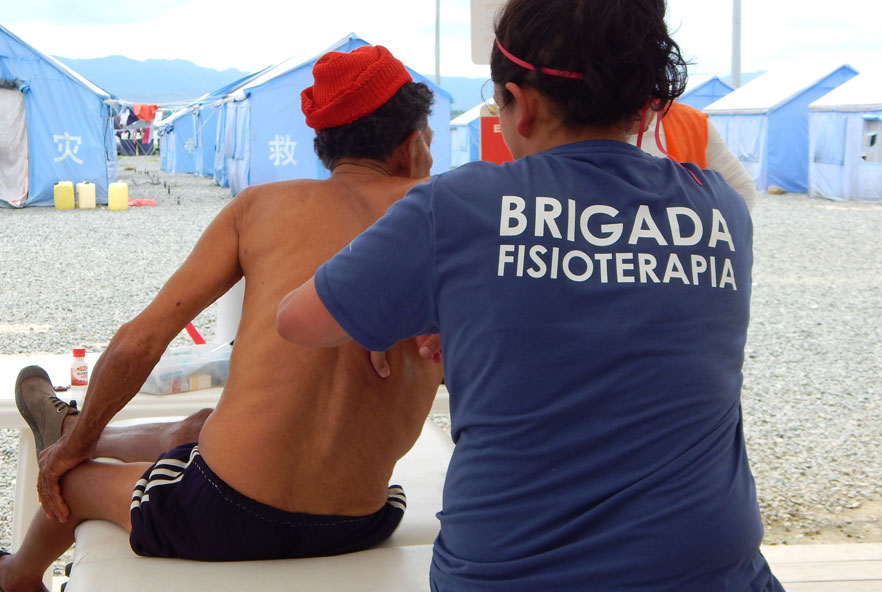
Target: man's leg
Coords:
[(92, 490), (49, 417), (145, 442)]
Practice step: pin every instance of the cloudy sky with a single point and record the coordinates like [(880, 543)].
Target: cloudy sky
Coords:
[(256, 33)]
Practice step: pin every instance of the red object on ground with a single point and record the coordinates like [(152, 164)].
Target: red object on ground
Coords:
[(194, 334), (141, 202)]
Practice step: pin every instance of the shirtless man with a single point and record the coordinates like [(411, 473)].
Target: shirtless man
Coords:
[(304, 439)]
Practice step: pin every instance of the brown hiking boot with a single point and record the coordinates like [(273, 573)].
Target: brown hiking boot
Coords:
[(38, 405)]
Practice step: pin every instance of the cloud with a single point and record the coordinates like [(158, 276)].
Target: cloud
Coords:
[(220, 34), (776, 33), (226, 34), (84, 12)]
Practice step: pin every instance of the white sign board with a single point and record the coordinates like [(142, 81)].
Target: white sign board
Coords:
[(483, 15)]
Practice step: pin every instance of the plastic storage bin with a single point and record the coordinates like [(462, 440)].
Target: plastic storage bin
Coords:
[(182, 369), (85, 195), (118, 196), (64, 195)]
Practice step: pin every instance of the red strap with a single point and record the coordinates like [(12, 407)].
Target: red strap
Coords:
[(528, 66), (643, 111), (194, 334)]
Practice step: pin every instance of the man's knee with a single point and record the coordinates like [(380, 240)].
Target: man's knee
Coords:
[(188, 429), (102, 490)]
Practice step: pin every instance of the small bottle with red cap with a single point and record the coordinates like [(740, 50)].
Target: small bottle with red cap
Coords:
[(79, 369)]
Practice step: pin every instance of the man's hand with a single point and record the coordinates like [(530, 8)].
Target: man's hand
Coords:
[(429, 348), (55, 461)]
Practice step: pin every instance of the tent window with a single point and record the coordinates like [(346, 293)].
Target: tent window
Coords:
[(830, 139), (13, 148), (745, 138), (871, 151)]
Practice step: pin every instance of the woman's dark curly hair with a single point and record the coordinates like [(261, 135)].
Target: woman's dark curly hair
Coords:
[(621, 47), (378, 134)]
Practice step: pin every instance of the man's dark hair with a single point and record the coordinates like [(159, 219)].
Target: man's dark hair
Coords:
[(621, 48), (378, 134)]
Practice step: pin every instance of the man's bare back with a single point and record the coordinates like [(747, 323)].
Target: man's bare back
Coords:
[(314, 431)]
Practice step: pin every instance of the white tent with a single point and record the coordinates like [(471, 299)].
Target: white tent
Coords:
[(845, 137), (704, 89), (765, 122)]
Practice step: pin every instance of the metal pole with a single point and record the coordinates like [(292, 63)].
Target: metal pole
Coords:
[(736, 43), (438, 42)]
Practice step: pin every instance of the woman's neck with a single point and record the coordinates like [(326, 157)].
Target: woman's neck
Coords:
[(560, 135)]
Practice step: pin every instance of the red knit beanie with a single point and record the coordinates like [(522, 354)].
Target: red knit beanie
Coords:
[(349, 86)]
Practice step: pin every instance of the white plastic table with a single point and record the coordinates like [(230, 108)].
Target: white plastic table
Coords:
[(58, 367), (141, 406)]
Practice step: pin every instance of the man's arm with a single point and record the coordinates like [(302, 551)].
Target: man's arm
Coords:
[(209, 271)]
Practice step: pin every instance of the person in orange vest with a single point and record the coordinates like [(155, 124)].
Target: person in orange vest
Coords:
[(686, 135)]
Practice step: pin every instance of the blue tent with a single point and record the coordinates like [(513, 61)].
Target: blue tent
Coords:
[(214, 112), (188, 139), (265, 135), (179, 141), (701, 91), (167, 153), (765, 123), (845, 132), (57, 124), (465, 137)]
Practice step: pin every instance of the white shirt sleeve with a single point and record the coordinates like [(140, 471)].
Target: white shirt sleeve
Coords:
[(720, 158)]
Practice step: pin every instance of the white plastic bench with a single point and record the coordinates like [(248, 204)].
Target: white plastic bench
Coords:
[(103, 560)]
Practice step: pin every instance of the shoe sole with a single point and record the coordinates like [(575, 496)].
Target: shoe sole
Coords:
[(30, 372)]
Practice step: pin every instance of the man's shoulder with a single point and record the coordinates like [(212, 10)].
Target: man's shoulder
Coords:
[(278, 188), (294, 192)]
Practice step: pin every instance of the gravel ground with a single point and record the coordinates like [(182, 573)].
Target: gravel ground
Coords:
[(812, 391), (812, 394)]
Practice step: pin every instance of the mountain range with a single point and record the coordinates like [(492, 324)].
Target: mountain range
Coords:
[(175, 81), (180, 81)]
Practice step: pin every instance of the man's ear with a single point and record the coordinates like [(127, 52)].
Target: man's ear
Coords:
[(526, 102), (402, 159)]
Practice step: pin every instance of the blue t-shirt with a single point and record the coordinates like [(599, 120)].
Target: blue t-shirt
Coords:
[(593, 306)]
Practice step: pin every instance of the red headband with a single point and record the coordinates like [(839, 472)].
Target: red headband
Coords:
[(529, 66)]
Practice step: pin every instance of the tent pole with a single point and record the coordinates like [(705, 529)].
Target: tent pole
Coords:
[(736, 43), (438, 42)]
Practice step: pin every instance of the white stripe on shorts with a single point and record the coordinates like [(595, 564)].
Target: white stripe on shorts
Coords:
[(164, 472)]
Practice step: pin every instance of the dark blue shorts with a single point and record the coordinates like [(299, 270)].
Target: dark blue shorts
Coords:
[(180, 508)]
